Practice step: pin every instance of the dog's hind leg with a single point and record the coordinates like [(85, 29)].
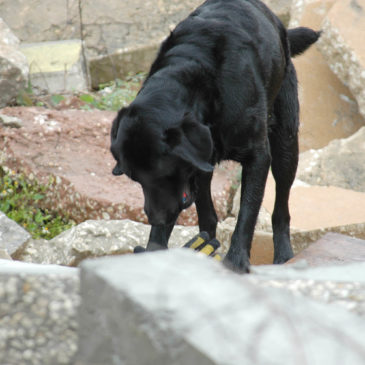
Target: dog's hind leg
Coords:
[(204, 205), (284, 150)]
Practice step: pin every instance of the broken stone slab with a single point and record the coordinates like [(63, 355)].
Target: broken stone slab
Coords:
[(333, 248), (328, 110), (342, 45), (38, 306), (121, 63), (342, 285), (319, 207), (96, 238), (72, 149), (182, 308), (107, 237), (12, 236), (13, 66), (341, 163), (56, 67)]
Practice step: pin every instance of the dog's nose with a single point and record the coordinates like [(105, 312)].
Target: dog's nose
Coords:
[(117, 171)]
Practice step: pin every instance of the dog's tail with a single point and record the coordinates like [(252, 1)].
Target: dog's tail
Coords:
[(300, 39)]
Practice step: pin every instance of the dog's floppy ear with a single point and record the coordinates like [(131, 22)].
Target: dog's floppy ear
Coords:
[(192, 142)]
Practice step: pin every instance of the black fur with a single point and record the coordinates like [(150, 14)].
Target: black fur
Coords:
[(222, 87)]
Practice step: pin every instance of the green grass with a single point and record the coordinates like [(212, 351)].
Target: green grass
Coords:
[(21, 201)]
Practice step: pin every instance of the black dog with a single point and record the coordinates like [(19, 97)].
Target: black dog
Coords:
[(222, 87)]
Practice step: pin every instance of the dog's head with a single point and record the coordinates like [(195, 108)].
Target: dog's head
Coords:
[(165, 161)]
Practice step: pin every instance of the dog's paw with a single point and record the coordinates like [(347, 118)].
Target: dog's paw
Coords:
[(283, 257), (237, 263), (139, 249), (153, 246)]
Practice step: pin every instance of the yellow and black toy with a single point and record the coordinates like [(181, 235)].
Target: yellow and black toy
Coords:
[(201, 243)]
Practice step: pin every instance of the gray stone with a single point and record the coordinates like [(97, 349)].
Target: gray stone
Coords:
[(9, 121), (182, 308), (344, 49), (13, 66), (341, 163), (12, 236), (56, 67), (38, 308), (96, 238), (343, 285)]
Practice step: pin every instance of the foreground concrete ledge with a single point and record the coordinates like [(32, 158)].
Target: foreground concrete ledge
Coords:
[(354, 272), (182, 308), (38, 308), (23, 268)]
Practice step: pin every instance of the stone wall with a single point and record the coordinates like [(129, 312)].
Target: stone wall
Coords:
[(106, 26)]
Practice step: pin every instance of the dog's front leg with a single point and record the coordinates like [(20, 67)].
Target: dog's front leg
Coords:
[(159, 237), (204, 205), (254, 175)]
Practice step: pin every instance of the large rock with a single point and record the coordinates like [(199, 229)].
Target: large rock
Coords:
[(181, 308), (72, 147), (332, 249), (344, 47), (12, 236), (328, 109), (341, 164), (13, 66), (56, 67), (93, 239), (38, 309), (123, 62)]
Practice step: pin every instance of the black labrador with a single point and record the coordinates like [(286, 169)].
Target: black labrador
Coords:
[(223, 86)]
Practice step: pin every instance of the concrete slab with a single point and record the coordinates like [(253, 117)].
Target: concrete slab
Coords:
[(38, 306), (333, 249), (319, 207), (55, 67), (182, 308)]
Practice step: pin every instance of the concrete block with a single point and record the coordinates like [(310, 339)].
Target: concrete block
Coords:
[(38, 306), (56, 67), (118, 65), (182, 308)]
